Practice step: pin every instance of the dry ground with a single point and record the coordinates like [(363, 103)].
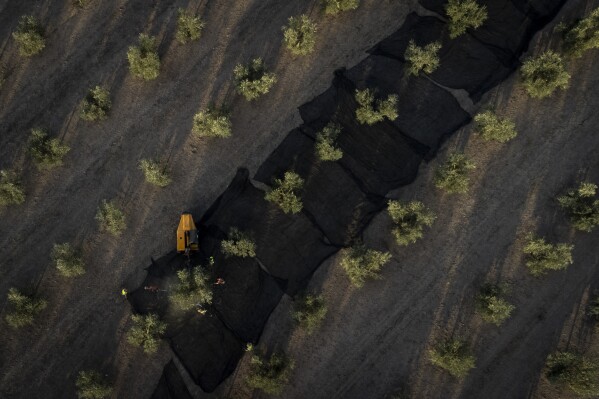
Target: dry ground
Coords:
[(374, 341), (84, 324)]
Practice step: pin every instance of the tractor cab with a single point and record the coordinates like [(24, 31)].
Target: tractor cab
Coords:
[(187, 234)]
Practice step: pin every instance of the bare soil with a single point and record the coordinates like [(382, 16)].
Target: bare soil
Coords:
[(374, 341), (86, 319)]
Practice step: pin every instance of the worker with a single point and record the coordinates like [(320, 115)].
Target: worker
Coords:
[(219, 281), (124, 292), (151, 288)]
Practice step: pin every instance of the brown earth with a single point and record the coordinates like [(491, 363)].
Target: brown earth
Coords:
[(84, 324), (374, 340)]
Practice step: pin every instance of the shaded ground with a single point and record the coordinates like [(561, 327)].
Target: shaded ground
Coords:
[(85, 322), (374, 341)]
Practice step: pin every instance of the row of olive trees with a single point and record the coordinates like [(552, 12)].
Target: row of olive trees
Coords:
[(566, 369), (143, 59), (545, 73), (254, 80), (48, 152), (541, 76)]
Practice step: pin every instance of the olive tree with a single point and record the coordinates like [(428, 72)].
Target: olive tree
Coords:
[(269, 374), (325, 147), (582, 35), (155, 172), (96, 105), (309, 312), (23, 308), (544, 74), (491, 305), (542, 256), (285, 193), (238, 243), (212, 122), (453, 356), (146, 332), (574, 372), (463, 15), (67, 260), (192, 290), (92, 385), (452, 176), (29, 36), (424, 59), (299, 35), (253, 80), (144, 61), (582, 206), (46, 152), (189, 27), (409, 220), (11, 189), (111, 218), (361, 263), (371, 111), (334, 7), (492, 127)]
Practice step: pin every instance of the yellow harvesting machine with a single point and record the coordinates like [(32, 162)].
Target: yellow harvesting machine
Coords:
[(187, 234)]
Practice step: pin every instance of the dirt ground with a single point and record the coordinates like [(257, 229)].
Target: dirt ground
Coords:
[(374, 340), (84, 324)]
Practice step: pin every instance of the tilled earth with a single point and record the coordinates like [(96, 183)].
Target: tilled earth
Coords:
[(375, 340)]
